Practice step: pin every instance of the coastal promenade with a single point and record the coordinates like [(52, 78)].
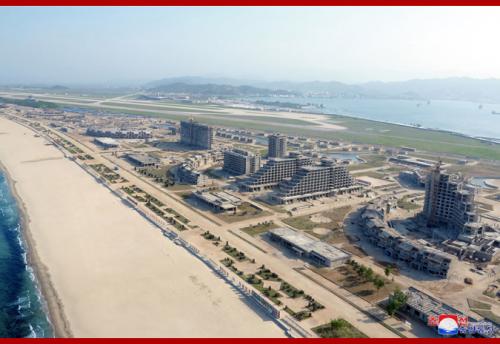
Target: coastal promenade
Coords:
[(111, 271)]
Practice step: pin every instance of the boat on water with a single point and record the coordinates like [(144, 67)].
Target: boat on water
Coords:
[(495, 112)]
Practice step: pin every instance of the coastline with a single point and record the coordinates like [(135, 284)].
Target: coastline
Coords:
[(322, 122), (83, 262), (52, 304), (360, 116)]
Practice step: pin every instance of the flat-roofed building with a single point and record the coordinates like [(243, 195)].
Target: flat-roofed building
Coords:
[(106, 142), (241, 162), (219, 201), (423, 307), (142, 160), (319, 252)]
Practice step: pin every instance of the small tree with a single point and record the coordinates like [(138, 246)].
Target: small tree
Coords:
[(368, 274), (396, 301), (379, 283)]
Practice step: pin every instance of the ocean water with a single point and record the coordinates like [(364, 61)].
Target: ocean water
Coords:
[(22, 313), (469, 118)]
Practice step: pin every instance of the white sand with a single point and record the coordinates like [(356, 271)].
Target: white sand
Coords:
[(321, 231), (318, 218), (114, 273)]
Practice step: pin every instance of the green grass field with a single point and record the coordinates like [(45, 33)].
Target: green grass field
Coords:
[(338, 328), (162, 107), (358, 130)]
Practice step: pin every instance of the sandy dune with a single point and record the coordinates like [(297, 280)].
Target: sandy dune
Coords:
[(114, 273)]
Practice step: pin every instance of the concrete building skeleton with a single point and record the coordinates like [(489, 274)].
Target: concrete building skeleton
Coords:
[(275, 171), (240, 162), (412, 253), (196, 135), (277, 146), (312, 181), (449, 201)]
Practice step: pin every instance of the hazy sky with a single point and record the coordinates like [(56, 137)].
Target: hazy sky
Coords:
[(109, 45)]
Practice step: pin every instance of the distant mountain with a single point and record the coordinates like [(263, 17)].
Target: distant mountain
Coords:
[(197, 80), (59, 88), (468, 89), (479, 90), (333, 88), (216, 90)]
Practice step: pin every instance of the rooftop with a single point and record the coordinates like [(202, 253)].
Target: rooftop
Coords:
[(309, 244), (106, 140), (144, 159)]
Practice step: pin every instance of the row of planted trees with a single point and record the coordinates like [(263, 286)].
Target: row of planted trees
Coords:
[(367, 274), (396, 300)]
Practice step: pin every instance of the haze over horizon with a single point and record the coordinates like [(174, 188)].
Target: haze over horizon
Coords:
[(131, 46)]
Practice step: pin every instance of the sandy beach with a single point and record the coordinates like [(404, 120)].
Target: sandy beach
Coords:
[(105, 270)]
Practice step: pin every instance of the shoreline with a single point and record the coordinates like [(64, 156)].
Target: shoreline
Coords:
[(494, 140), (90, 300), (51, 302), (325, 123)]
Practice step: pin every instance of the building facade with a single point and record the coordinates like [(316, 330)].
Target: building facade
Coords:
[(277, 146), (414, 254), (450, 202), (196, 135), (240, 162), (275, 171), (311, 182), (188, 175)]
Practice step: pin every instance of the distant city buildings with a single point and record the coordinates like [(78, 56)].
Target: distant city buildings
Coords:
[(196, 135), (240, 162), (277, 146), (119, 133), (275, 171), (449, 202), (313, 181)]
